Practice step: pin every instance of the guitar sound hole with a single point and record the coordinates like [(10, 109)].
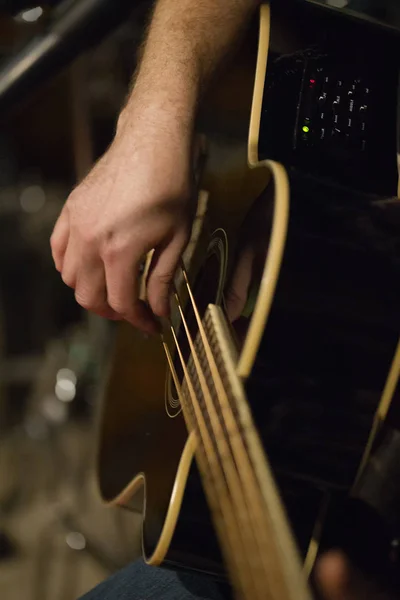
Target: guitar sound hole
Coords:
[(205, 289)]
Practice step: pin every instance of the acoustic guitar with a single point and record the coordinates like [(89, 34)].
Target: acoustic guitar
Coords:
[(264, 398)]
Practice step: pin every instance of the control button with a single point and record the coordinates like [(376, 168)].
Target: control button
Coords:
[(363, 126), (366, 95), (324, 90), (312, 83), (363, 109), (322, 134), (363, 145), (326, 84), (339, 92), (349, 122), (351, 105), (352, 93), (336, 133), (322, 99)]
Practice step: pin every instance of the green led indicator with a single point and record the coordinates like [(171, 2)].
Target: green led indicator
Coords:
[(306, 129)]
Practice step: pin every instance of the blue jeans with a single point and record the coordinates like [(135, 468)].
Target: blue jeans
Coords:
[(141, 582)]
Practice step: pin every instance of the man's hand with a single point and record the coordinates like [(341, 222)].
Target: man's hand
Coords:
[(252, 250), (135, 199)]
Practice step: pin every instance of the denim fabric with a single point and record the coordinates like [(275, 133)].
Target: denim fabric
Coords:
[(141, 582)]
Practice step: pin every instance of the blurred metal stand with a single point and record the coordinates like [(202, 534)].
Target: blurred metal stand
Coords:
[(66, 377), (77, 26)]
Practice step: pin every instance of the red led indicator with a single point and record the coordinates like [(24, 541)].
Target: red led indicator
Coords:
[(312, 81)]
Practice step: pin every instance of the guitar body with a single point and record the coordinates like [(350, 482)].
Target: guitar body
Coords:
[(313, 349)]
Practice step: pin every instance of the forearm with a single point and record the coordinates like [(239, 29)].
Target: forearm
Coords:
[(187, 41)]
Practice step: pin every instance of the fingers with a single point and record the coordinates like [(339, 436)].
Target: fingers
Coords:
[(104, 271), (106, 284), (83, 271), (59, 238), (71, 262), (90, 290), (122, 282), (237, 293), (164, 264)]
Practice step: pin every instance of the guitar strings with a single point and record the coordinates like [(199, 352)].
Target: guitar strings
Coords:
[(219, 499), (229, 522), (253, 495), (220, 446), (250, 492)]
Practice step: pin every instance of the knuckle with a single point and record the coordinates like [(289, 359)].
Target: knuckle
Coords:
[(111, 251), (108, 254), (55, 242), (166, 277), (55, 248), (87, 235)]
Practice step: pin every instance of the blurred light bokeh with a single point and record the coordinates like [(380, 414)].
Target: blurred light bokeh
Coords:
[(56, 539)]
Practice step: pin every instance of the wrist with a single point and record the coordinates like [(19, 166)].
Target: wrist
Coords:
[(159, 110)]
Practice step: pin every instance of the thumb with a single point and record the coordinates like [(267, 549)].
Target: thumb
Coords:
[(338, 580), (237, 292), (162, 270), (333, 577)]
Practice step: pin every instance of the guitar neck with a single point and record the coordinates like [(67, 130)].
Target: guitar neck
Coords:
[(247, 511)]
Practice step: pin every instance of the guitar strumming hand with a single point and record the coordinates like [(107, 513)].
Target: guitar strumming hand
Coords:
[(137, 197)]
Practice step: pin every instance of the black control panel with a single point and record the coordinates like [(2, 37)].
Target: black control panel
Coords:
[(330, 108), (335, 110)]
